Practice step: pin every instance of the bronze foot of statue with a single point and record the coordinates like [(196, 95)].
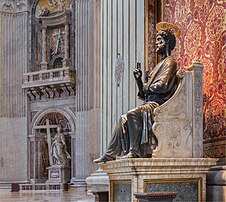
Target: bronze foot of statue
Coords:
[(102, 159), (129, 155)]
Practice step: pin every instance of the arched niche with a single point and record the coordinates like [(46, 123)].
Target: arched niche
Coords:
[(43, 129)]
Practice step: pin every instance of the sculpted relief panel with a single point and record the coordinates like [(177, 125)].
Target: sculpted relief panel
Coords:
[(173, 119)]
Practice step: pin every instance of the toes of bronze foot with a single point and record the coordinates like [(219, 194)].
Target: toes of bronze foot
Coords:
[(129, 155), (102, 159)]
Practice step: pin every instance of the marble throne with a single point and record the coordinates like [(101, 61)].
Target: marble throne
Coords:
[(177, 163), (178, 122)]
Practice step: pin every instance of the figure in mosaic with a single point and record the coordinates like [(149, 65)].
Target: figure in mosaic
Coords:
[(59, 149), (133, 130)]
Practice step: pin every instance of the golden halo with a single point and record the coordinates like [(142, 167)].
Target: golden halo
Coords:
[(168, 26)]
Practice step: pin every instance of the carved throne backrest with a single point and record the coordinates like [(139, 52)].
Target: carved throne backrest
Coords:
[(178, 123)]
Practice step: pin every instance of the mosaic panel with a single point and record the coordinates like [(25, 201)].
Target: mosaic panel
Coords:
[(53, 4)]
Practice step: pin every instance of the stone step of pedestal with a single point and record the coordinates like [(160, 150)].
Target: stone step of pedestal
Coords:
[(43, 186), (5, 186)]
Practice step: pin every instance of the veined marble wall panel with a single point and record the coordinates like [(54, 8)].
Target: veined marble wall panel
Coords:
[(13, 149), (13, 63), (121, 31)]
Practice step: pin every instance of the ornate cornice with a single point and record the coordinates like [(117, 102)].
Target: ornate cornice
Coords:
[(50, 84)]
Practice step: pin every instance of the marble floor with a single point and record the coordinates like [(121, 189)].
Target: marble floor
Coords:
[(45, 196)]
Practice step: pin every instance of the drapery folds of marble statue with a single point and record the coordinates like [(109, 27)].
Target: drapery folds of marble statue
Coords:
[(59, 149), (134, 128)]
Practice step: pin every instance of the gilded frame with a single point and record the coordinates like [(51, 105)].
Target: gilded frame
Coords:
[(113, 182)]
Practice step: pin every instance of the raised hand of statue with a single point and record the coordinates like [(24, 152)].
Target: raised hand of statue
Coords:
[(138, 72)]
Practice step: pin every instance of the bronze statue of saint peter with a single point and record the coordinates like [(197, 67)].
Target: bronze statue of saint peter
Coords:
[(128, 137)]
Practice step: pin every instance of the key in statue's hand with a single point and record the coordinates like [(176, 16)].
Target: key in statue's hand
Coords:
[(138, 72)]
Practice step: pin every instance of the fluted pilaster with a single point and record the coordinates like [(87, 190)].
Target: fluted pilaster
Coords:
[(13, 100), (66, 44), (44, 49), (14, 62)]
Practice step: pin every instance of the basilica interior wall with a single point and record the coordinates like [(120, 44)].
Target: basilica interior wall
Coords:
[(203, 38), (101, 31)]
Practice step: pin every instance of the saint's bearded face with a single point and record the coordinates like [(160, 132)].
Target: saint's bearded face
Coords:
[(160, 44)]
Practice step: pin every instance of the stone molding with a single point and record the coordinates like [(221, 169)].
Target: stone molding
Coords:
[(158, 165)]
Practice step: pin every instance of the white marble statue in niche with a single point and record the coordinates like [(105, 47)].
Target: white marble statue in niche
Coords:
[(59, 152)]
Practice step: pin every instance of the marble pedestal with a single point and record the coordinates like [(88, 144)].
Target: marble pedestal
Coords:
[(216, 184), (58, 174), (97, 181), (186, 176)]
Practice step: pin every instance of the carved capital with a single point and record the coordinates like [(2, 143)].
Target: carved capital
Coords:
[(14, 6)]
